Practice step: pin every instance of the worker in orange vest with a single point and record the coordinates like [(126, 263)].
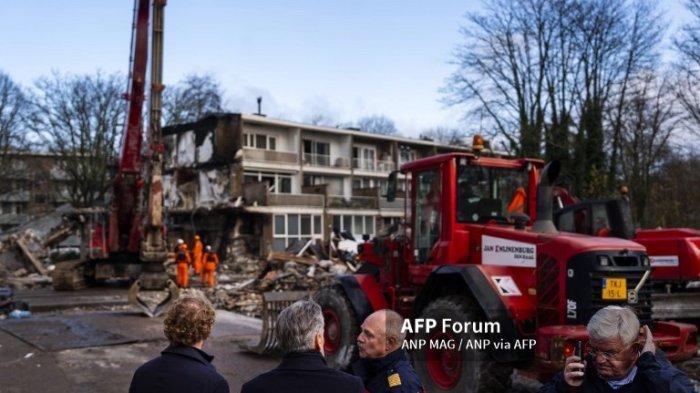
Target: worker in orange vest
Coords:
[(183, 260), (178, 245), (197, 255), (211, 262)]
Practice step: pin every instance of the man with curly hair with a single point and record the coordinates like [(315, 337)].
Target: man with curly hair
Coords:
[(183, 366)]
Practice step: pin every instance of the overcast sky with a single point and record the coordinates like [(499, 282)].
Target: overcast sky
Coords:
[(346, 59)]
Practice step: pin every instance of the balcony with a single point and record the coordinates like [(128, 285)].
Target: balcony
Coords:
[(258, 194), (311, 200), (355, 202), (373, 166), (396, 204), (317, 159), (271, 156), (324, 160)]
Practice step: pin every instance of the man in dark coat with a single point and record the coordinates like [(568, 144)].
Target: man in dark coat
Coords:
[(303, 369), (183, 366), (622, 359), (383, 365)]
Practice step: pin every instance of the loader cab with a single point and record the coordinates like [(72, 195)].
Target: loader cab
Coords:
[(601, 217), (449, 195)]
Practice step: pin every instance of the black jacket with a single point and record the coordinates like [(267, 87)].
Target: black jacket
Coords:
[(179, 369), (392, 373), (655, 374), (303, 372)]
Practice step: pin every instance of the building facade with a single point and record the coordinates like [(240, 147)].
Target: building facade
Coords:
[(276, 181), (31, 184)]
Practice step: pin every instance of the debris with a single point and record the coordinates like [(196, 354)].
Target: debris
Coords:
[(303, 266)]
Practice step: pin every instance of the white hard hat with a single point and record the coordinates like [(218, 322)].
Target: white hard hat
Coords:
[(180, 241), (208, 248)]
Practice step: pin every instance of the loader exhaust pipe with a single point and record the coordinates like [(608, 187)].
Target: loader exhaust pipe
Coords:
[(545, 198)]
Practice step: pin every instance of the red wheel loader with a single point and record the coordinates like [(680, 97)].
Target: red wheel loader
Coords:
[(478, 244)]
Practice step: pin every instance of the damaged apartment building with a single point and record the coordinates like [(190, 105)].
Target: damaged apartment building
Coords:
[(272, 182)]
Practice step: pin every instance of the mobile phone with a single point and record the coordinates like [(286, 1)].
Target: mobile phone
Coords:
[(579, 349)]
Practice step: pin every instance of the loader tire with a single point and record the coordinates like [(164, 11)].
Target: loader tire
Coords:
[(341, 329), (444, 370)]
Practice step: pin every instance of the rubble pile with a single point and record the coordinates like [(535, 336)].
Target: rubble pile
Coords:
[(304, 266), (24, 251)]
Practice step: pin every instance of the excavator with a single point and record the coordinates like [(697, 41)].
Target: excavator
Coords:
[(127, 240)]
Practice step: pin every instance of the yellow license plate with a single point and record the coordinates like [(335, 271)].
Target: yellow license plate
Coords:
[(614, 288)]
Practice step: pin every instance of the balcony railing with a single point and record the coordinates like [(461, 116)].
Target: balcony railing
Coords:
[(258, 193), (324, 160), (373, 166), (395, 204), (317, 159), (280, 157), (355, 202), (311, 200)]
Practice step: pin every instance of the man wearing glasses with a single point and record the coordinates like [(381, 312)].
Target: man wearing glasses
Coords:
[(622, 358)]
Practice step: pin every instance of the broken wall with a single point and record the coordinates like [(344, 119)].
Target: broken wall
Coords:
[(202, 163)]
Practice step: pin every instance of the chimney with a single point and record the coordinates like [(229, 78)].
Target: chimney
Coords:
[(260, 107), (545, 198)]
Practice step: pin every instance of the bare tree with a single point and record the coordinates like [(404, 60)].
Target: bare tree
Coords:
[(321, 119), (13, 109), (675, 190), (377, 124), (687, 44), (446, 135), (649, 119), (500, 72), (79, 118), (545, 73), (191, 99)]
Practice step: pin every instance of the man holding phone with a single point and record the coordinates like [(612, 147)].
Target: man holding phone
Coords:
[(622, 358)]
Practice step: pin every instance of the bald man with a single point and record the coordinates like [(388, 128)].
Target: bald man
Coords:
[(383, 365)]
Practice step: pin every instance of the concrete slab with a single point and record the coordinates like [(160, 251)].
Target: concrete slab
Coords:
[(47, 299), (58, 332)]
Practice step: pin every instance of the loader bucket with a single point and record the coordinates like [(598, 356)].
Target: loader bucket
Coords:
[(273, 304), (138, 297)]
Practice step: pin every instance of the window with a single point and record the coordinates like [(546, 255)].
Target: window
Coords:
[(21, 208), (317, 153), (575, 221), (259, 141), (364, 158), (406, 154), (357, 225), (278, 183), (366, 182), (335, 184), (490, 193), (428, 213), (289, 228)]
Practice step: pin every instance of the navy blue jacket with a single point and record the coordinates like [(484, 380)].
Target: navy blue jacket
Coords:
[(392, 373), (179, 369), (655, 374), (303, 372)]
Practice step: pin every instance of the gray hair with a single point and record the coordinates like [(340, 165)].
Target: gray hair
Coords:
[(614, 322), (394, 323), (298, 325)]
